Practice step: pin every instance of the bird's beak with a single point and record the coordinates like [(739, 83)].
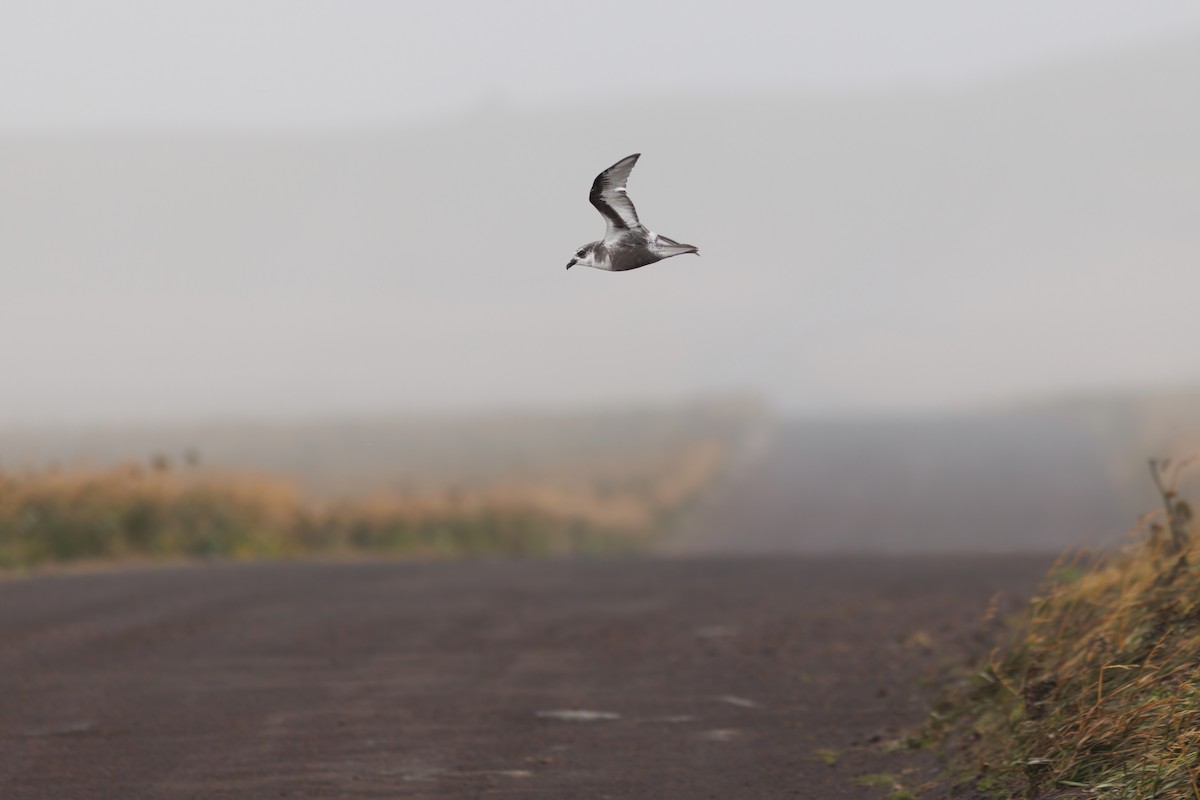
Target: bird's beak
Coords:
[(571, 263)]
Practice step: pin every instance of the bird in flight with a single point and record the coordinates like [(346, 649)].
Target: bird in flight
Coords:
[(627, 244)]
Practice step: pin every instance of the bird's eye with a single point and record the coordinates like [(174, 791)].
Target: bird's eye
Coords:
[(580, 253)]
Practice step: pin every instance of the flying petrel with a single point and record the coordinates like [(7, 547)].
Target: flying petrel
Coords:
[(627, 244)]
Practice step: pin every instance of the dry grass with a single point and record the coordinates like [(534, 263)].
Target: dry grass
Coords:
[(1100, 696), (134, 512)]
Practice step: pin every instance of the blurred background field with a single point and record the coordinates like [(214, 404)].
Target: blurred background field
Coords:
[(497, 485), (718, 476)]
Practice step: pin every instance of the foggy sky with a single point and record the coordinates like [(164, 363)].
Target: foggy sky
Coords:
[(295, 209), (289, 63)]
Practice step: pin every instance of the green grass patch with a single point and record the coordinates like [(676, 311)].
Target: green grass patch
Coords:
[(827, 755)]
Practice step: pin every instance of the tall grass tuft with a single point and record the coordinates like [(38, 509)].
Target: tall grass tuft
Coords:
[(1100, 695)]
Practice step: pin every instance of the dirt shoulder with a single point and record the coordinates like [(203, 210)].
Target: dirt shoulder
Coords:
[(714, 678)]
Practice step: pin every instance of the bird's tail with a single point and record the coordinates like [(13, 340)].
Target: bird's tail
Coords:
[(670, 247)]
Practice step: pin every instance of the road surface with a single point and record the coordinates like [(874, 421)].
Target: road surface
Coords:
[(653, 678)]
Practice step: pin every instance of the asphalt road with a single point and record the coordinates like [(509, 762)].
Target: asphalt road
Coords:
[(700, 678)]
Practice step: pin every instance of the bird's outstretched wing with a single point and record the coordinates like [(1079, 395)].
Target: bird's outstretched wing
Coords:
[(609, 197)]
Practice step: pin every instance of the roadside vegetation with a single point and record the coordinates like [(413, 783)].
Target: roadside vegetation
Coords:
[(1099, 695), (138, 512)]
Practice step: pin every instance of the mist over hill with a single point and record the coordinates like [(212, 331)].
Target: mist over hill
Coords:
[(352, 457), (902, 250), (1045, 476)]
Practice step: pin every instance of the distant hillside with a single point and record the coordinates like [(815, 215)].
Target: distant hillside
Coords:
[(1045, 477)]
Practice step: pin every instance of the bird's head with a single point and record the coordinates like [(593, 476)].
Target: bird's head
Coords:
[(584, 256)]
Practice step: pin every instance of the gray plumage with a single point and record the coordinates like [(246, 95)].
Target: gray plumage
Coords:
[(627, 244)]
